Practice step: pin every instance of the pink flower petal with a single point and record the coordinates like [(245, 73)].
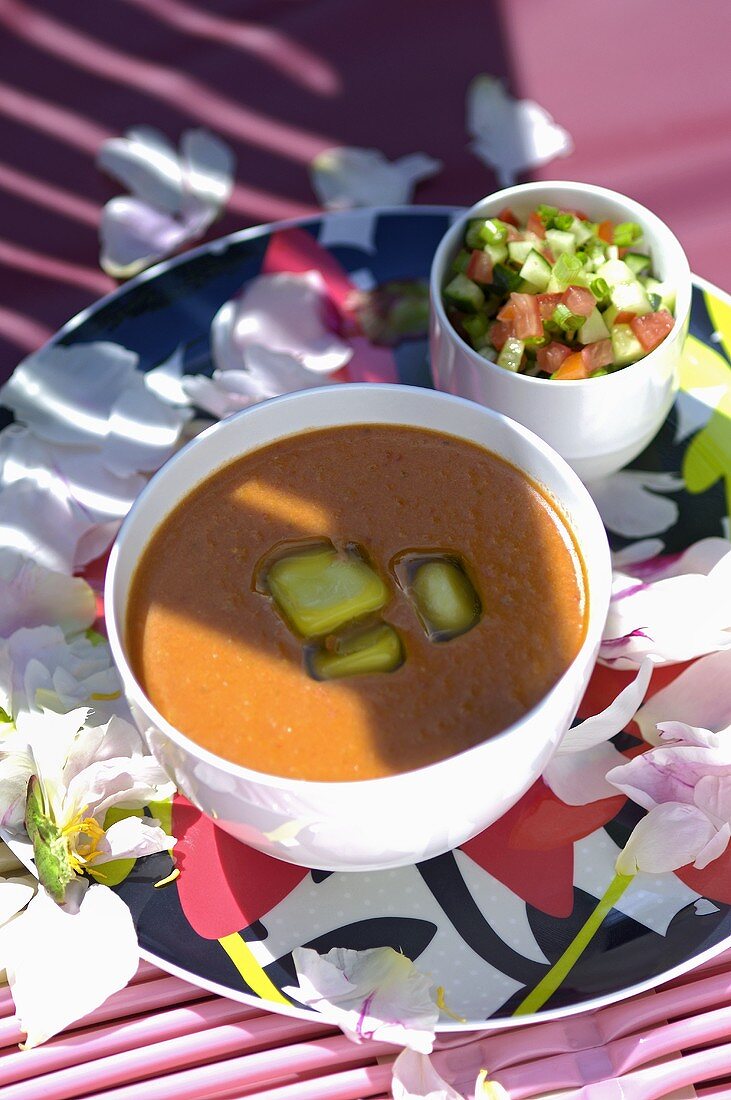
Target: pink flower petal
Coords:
[(580, 778), (146, 164), (278, 313), (134, 235), (611, 721), (669, 837), (414, 1078), (698, 696), (31, 595)]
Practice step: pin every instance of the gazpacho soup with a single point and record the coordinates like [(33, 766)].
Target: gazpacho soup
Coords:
[(355, 602)]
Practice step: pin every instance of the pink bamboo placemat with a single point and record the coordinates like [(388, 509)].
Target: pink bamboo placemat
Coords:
[(163, 1039)]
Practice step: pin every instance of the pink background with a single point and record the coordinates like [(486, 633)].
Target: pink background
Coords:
[(643, 86)]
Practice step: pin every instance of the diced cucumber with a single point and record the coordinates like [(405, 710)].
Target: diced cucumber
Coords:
[(518, 251), (560, 241), (464, 294), (631, 296), (665, 292), (536, 270), (626, 348), (505, 278), (445, 599), (460, 262), (609, 314), (615, 271), (511, 354), (317, 590), (377, 649), (487, 351), (581, 231), (593, 329), (498, 253), (526, 287), (637, 262), (476, 327)]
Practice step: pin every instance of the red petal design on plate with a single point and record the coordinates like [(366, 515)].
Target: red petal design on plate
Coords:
[(530, 849), (296, 251), (224, 885), (606, 684), (713, 882)]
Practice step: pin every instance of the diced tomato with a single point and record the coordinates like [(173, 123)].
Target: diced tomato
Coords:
[(573, 367), (551, 357), (606, 232), (547, 303), (507, 312), (506, 215), (479, 267), (535, 225), (549, 255), (513, 234), (579, 300), (596, 355), (622, 252), (528, 322), (577, 213), (624, 317), (652, 328), (499, 332)]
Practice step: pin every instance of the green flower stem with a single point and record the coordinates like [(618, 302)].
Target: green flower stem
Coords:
[(551, 981)]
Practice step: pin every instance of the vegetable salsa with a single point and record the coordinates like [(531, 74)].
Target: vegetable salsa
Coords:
[(559, 296)]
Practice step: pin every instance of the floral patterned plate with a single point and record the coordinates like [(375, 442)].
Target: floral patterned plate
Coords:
[(491, 918)]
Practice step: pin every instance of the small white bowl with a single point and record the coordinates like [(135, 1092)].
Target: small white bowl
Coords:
[(599, 424), (400, 819)]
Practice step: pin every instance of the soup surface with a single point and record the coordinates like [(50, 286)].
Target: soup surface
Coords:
[(221, 660)]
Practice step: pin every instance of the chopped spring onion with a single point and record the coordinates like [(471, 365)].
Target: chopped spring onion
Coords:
[(566, 268), (626, 233), (563, 221), (494, 231), (599, 288), (565, 319), (546, 213)]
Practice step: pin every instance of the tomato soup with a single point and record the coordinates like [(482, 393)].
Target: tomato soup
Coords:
[(355, 602)]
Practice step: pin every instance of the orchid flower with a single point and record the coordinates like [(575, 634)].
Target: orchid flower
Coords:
[(175, 196), (273, 338), (345, 177), (40, 669), (511, 135), (415, 1078), (672, 610), (685, 780), (62, 963), (31, 595), (73, 774), (630, 503), (577, 773), (374, 994)]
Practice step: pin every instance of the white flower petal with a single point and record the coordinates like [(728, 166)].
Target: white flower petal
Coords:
[(130, 782), (269, 374), (146, 164), (132, 838), (414, 1078), (511, 135), (134, 235), (66, 394), (611, 721), (635, 552), (628, 502), (31, 595), (208, 168), (578, 778), (62, 965), (375, 994), (672, 835), (15, 771), (279, 313), (37, 524), (14, 896), (166, 381), (143, 431), (698, 696), (345, 177)]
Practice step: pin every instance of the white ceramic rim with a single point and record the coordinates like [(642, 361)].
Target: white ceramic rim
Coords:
[(574, 191), (116, 629), (446, 1027)]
